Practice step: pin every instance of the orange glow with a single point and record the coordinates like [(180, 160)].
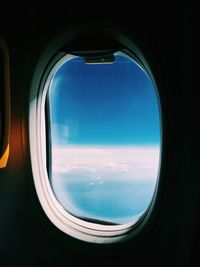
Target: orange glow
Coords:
[(4, 158)]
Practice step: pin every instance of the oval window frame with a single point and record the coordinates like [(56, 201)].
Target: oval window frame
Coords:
[(54, 53)]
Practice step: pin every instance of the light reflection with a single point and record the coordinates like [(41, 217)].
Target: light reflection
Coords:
[(4, 158)]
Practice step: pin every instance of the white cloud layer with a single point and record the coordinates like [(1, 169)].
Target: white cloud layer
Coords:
[(134, 163)]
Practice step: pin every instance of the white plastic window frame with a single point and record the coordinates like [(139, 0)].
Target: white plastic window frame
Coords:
[(67, 223)]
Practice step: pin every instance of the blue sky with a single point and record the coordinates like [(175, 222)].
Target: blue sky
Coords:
[(106, 104)]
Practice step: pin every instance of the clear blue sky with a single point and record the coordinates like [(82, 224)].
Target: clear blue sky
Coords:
[(106, 104)]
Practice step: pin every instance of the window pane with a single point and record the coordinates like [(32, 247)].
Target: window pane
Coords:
[(105, 139)]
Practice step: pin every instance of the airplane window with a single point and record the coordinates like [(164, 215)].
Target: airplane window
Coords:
[(4, 103), (103, 138), (95, 135)]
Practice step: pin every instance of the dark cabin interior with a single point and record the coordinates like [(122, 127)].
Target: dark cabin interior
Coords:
[(27, 237)]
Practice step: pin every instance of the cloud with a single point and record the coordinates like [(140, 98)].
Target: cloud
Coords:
[(60, 132), (101, 162)]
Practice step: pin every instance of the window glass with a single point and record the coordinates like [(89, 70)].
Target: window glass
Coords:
[(104, 127)]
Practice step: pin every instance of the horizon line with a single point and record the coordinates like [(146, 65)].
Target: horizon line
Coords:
[(106, 145)]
